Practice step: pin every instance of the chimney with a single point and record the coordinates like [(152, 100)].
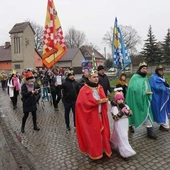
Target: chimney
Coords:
[(7, 45)]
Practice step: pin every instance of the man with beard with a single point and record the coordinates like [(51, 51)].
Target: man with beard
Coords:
[(160, 103), (138, 97)]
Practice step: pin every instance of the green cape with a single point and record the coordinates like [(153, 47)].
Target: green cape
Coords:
[(138, 100)]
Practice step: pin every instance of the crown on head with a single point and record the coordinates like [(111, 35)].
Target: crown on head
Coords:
[(14, 72), (159, 67), (70, 72), (143, 64), (92, 72)]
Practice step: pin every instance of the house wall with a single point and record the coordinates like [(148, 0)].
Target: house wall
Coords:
[(76, 62), (38, 60), (29, 51), (64, 64), (5, 65), (26, 57)]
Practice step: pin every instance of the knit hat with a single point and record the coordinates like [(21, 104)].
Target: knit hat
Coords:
[(29, 75), (100, 68), (141, 65), (118, 97)]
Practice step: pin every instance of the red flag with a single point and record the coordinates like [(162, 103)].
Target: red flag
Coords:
[(54, 46)]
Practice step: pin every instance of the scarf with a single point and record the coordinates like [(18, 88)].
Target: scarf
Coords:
[(30, 86), (140, 73), (15, 83), (91, 84)]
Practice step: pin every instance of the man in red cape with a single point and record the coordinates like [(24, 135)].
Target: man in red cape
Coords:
[(92, 125)]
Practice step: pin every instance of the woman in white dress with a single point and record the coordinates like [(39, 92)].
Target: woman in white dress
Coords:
[(119, 136)]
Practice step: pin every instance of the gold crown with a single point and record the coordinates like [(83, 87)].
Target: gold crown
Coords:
[(70, 72), (14, 72), (159, 67), (143, 64), (92, 72)]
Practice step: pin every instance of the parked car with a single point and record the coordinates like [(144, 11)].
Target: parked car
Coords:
[(112, 69)]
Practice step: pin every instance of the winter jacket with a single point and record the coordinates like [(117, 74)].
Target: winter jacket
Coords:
[(28, 99), (54, 89), (70, 90), (104, 82)]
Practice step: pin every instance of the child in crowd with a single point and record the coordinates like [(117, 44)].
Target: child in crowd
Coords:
[(119, 137)]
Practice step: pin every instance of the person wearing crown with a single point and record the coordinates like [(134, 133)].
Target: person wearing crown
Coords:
[(160, 103), (138, 98), (92, 124), (28, 93), (13, 88)]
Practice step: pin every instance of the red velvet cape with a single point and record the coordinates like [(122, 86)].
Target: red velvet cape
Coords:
[(92, 134)]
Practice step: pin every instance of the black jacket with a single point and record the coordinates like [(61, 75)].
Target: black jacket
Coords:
[(70, 90), (82, 81), (104, 82), (54, 89), (28, 99)]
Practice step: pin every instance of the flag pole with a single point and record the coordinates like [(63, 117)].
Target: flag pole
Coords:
[(54, 47)]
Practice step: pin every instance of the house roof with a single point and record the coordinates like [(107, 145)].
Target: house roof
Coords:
[(70, 54), (87, 53), (5, 53), (19, 27)]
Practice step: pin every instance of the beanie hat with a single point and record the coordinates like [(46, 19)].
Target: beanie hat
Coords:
[(100, 68), (118, 97), (29, 75)]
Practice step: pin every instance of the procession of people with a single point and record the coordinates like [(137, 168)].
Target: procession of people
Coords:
[(135, 103)]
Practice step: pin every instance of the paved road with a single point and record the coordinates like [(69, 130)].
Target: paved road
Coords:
[(54, 148)]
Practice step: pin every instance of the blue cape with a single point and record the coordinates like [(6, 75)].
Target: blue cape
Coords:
[(160, 103)]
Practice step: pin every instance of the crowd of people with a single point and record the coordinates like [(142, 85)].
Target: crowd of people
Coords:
[(138, 102)]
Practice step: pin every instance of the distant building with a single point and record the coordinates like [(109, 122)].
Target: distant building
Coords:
[(20, 53), (5, 57), (22, 46), (87, 53)]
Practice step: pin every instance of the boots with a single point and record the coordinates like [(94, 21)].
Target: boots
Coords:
[(23, 126), (36, 128), (150, 133), (22, 129), (131, 130)]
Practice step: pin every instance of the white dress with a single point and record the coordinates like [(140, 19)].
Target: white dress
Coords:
[(119, 136)]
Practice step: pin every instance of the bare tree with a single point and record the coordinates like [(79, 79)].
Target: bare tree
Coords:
[(74, 38), (38, 37), (129, 34)]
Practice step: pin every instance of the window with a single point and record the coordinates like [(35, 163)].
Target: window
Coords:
[(16, 44), (17, 66)]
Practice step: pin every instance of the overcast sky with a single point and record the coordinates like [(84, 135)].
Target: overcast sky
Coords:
[(93, 17)]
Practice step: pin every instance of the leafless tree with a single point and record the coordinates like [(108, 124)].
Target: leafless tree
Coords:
[(129, 34), (38, 37), (74, 38)]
